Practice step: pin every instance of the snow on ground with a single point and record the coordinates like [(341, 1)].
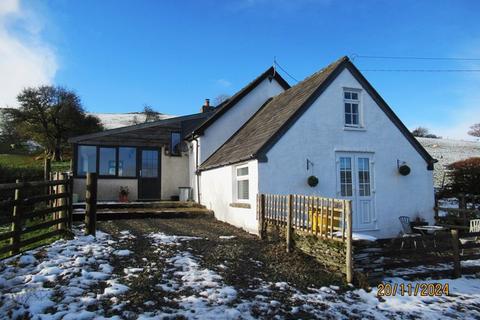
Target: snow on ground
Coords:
[(117, 120), (59, 280), (71, 279), (210, 298)]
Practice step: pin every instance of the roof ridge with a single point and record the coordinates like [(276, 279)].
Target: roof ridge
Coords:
[(270, 72), (284, 106)]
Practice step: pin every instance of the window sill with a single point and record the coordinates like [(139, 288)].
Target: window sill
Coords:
[(354, 129), (240, 205)]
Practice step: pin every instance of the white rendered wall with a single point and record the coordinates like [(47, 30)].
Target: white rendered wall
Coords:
[(107, 189), (223, 128), (217, 195), (319, 133), (174, 174)]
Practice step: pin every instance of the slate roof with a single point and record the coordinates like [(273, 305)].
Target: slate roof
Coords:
[(276, 116), (185, 123), (226, 105)]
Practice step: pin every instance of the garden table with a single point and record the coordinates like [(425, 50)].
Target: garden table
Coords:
[(425, 230)]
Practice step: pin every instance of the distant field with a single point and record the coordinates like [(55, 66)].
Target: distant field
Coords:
[(25, 167)]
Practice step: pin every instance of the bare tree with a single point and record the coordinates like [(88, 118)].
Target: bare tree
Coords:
[(48, 116), (475, 130), (420, 132), (150, 114), (423, 132)]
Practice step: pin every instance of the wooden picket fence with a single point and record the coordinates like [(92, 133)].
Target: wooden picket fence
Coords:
[(326, 218), (41, 208)]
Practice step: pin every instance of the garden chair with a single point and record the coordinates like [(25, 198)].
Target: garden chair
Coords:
[(407, 232)]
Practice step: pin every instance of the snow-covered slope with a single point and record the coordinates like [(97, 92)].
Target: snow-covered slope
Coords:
[(117, 120), (447, 151)]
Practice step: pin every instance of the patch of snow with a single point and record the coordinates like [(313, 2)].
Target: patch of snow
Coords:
[(227, 237), (162, 238), (26, 260), (114, 289), (357, 236), (55, 279), (122, 253)]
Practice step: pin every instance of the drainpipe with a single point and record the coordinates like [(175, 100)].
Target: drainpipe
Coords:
[(197, 173)]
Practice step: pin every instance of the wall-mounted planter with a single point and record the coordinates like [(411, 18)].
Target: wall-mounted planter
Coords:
[(404, 170), (312, 181)]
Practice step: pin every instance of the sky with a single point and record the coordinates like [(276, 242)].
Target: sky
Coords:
[(119, 55)]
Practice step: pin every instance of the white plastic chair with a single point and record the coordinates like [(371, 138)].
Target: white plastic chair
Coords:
[(407, 231)]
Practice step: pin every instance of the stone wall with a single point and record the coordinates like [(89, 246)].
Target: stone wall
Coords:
[(328, 252)]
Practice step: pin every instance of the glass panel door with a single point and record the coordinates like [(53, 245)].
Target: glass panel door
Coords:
[(149, 174), (149, 164)]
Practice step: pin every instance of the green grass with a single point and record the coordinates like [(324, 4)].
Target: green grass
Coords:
[(27, 168), (31, 222), (28, 161)]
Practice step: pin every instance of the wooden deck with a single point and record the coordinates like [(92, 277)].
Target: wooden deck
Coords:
[(140, 210)]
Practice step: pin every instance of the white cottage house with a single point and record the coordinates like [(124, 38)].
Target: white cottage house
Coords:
[(332, 125), (269, 138)]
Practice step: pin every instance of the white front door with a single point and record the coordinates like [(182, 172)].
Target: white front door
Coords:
[(354, 180)]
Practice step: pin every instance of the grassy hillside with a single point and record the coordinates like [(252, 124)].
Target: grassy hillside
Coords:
[(25, 167)]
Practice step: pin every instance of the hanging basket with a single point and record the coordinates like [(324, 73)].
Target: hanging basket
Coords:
[(404, 170), (312, 181)]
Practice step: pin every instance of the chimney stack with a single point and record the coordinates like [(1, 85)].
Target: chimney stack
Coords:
[(206, 106)]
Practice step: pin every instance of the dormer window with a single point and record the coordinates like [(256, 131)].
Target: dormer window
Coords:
[(351, 99)]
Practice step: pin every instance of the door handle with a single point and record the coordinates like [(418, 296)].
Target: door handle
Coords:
[(140, 172)]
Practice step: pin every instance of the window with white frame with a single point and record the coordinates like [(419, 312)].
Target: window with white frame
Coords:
[(241, 183), (351, 99)]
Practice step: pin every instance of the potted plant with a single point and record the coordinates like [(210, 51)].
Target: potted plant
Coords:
[(123, 194), (312, 181)]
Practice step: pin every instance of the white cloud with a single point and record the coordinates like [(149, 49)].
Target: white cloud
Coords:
[(25, 60), (224, 83)]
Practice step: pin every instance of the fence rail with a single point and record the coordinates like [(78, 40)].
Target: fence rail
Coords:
[(35, 218), (445, 250), (326, 218)]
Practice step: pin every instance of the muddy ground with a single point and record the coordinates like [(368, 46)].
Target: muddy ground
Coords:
[(243, 261)]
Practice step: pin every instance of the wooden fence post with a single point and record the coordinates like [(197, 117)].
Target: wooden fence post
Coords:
[(91, 204), (70, 203), (261, 216), (16, 223), (348, 244), (62, 202), (289, 222), (456, 254), (47, 168)]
